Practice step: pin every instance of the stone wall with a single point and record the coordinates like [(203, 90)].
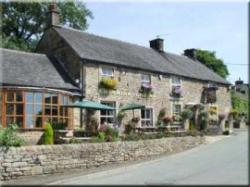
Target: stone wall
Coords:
[(31, 137), (48, 159), (129, 85)]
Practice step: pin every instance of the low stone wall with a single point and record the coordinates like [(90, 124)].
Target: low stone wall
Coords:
[(31, 137), (47, 159)]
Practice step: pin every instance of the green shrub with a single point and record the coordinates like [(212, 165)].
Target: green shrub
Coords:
[(226, 132), (128, 128), (59, 126), (96, 139), (161, 114), (48, 138), (74, 140), (187, 114), (111, 134), (8, 137), (101, 136)]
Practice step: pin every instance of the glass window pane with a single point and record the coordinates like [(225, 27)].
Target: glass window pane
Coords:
[(54, 120), (142, 113), (54, 111), (145, 78), (29, 97), (29, 108), (54, 99), (10, 96), (176, 80), (19, 96), (9, 120), (47, 98), (38, 121), (38, 109), (148, 113), (107, 71), (47, 109), (29, 121), (19, 122), (10, 109), (19, 109), (38, 98)]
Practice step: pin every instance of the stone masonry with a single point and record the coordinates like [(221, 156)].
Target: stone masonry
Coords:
[(48, 159), (88, 72)]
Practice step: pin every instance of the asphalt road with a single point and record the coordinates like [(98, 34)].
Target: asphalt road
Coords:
[(222, 162)]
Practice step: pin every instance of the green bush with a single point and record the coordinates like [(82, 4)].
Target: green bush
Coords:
[(111, 134), (48, 138), (128, 128), (226, 132), (102, 136), (187, 114), (59, 126), (8, 137)]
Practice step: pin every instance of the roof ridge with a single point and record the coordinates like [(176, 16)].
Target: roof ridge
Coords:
[(23, 52), (96, 35)]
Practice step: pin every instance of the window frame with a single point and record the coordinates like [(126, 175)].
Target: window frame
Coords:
[(108, 116), (151, 119), (143, 81), (107, 68), (61, 116)]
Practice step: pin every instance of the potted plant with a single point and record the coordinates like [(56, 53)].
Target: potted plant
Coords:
[(186, 115), (177, 91), (146, 88), (167, 120), (135, 120)]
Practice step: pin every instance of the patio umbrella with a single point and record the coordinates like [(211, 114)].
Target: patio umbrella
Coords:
[(89, 105), (132, 106)]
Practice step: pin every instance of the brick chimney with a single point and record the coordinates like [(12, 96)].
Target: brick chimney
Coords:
[(53, 15), (157, 44)]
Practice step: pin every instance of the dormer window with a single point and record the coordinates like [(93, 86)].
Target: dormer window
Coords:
[(105, 71)]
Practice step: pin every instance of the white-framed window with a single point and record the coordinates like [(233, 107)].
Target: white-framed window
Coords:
[(106, 71), (145, 79), (108, 116), (147, 117), (175, 81), (176, 111)]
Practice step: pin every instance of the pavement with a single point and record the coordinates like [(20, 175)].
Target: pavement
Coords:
[(221, 160)]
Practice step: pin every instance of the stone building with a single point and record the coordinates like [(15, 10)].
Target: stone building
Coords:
[(146, 75)]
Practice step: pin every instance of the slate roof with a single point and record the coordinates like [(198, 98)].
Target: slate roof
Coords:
[(31, 69), (116, 52)]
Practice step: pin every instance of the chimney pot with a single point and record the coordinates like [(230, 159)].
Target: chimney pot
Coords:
[(157, 44)]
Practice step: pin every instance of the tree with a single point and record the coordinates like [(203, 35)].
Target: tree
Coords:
[(209, 59), (23, 24)]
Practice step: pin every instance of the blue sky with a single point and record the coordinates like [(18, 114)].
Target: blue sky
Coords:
[(215, 26)]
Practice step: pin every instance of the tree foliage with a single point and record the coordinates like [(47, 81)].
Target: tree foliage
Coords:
[(209, 59), (23, 24)]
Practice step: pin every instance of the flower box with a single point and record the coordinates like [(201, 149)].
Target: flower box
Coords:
[(177, 91), (146, 89), (108, 83)]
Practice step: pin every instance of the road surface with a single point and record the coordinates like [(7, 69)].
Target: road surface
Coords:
[(222, 162)]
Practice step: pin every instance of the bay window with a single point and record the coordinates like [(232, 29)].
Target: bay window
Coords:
[(31, 109)]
